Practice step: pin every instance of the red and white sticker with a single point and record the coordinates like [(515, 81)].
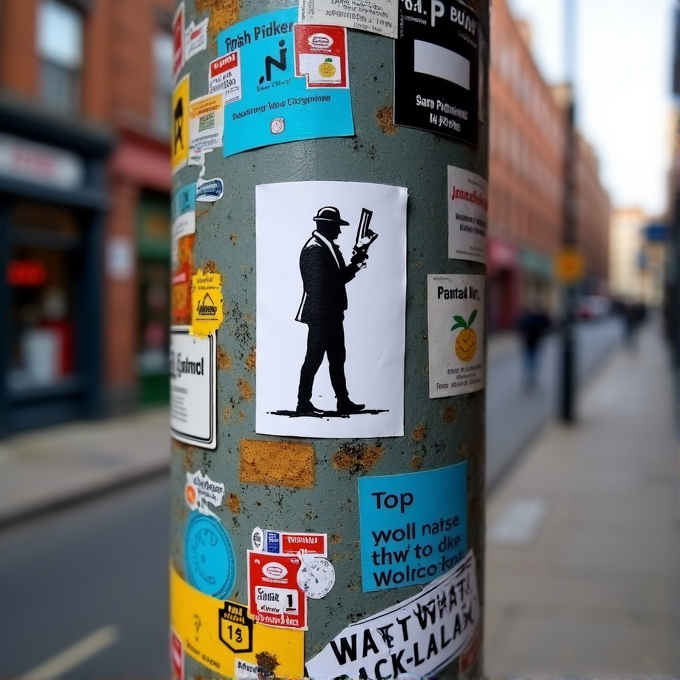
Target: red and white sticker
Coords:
[(274, 596), (196, 38), (224, 75), (321, 55), (176, 657), (178, 40), (289, 543)]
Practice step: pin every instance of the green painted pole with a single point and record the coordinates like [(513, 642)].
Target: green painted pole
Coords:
[(245, 601)]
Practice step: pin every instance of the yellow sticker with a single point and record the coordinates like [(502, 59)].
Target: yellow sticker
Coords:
[(569, 265), (179, 140), (219, 633), (207, 303)]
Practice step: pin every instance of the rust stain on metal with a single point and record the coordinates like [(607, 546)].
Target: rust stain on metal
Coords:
[(385, 115), (233, 502), (419, 433), (416, 463), (246, 389), (267, 660), (202, 212), (355, 458), (335, 539), (250, 361), (210, 267), (223, 359), (223, 13), (277, 463), (234, 238), (226, 414), (450, 415)]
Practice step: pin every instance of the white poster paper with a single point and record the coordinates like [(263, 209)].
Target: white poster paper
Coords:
[(375, 16), (468, 210), (455, 327), (316, 304), (420, 635), (193, 393)]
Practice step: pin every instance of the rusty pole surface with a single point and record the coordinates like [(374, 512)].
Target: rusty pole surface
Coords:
[(308, 484)]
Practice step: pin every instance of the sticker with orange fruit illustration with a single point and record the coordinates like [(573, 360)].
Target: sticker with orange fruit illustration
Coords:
[(455, 320)]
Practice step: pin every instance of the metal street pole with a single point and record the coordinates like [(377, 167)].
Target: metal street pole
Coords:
[(569, 237), (328, 343)]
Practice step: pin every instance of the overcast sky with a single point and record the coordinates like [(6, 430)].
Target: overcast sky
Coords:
[(623, 77)]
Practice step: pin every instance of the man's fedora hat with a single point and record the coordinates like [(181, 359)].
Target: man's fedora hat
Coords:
[(330, 215)]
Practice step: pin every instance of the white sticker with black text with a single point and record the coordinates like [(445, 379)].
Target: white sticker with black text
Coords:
[(193, 393), (455, 329), (419, 635), (374, 16)]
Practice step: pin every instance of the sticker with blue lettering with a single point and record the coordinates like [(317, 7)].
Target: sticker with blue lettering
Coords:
[(413, 526), (294, 82), (209, 556)]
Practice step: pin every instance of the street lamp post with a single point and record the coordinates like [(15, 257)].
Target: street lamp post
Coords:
[(569, 217)]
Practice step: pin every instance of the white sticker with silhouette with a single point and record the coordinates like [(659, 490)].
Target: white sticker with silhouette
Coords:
[(455, 329), (468, 211), (331, 298)]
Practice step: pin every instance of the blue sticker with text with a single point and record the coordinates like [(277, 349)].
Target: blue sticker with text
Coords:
[(288, 82), (413, 526), (209, 556)]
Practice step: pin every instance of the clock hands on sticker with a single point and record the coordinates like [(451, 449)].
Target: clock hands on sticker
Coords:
[(466, 341)]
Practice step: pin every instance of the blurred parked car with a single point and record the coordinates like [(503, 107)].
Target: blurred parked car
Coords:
[(591, 307)]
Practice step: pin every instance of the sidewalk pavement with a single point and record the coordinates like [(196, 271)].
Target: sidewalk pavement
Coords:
[(582, 562), (48, 468)]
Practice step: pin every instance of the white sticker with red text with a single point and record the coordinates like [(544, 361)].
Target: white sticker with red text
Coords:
[(468, 211), (196, 39), (224, 76)]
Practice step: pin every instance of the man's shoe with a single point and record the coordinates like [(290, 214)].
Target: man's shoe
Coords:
[(347, 406), (307, 409)]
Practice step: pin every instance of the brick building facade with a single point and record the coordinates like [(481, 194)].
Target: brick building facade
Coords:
[(526, 178), (84, 206)]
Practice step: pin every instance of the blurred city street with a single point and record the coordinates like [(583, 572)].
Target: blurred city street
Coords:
[(582, 567), (162, 177), (580, 517)]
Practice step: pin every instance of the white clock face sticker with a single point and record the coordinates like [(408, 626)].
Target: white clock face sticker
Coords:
[(316, 577)]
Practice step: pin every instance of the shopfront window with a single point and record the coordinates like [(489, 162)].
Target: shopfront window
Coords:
[(153, 248), (44, 259)]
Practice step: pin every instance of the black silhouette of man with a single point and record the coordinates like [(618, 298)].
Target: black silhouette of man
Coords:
[(323, 305)]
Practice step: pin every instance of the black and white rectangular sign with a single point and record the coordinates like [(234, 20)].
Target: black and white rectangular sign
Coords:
[(193, 391), (436, 68)]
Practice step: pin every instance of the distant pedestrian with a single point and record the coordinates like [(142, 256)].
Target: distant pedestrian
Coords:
[(633, 317), (534, 323)]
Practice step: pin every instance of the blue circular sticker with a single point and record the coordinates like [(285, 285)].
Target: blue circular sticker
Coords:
[(209, 556)]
